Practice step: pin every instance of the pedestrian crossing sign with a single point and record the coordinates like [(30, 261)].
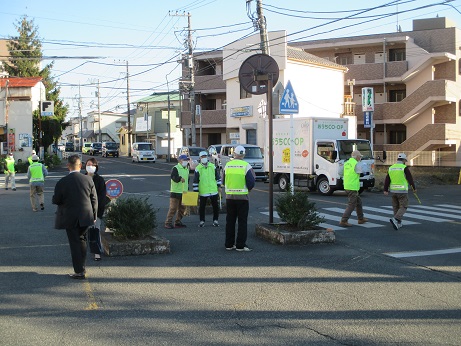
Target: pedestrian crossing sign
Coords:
[(289, 103)]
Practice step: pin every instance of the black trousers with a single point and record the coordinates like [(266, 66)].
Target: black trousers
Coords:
[(237, 210), (214, 204), (77, 243)]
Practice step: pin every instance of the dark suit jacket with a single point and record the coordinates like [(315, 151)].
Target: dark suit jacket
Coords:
[(77, 201)]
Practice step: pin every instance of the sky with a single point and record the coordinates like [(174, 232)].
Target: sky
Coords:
[(95, 40)]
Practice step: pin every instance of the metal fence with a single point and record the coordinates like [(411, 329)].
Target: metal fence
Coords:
[(434, 158)]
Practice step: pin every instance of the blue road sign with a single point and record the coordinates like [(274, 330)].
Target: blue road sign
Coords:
[(367, 116), (289, 103)]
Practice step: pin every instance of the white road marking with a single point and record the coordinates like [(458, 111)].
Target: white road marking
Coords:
[(407, 215), (423, 253), (414, 210), (370, 216)]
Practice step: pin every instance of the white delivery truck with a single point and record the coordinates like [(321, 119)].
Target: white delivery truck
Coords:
[(321, 146)]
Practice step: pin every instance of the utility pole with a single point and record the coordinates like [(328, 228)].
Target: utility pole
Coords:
[(190, 65), (99, 115), (80, 142), (128, 108), (262, 28), (6, 117)]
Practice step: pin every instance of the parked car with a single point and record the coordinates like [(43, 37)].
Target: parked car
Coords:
[(109, 149), (86, 147), (69, 146), (253, 156), (95, 148), (214, 153), (143, 151), (193, 153)]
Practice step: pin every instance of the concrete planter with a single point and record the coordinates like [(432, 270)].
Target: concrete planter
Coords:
[(150, 245), (281, 234)]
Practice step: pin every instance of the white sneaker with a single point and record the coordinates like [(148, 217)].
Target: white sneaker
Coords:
[(201, 224), (244, 249), (230, 248), (215, 223)]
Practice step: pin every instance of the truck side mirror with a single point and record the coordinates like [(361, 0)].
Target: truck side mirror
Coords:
[(384, 155)]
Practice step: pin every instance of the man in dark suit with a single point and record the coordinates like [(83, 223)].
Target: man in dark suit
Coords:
[(77, 201)]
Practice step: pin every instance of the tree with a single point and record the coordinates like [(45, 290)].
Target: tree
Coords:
[(25, 57)]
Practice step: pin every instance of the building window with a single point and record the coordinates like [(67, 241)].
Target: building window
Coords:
[(397, 54), (397, 137), (397, 95), (123, 140), (251, 136), (344, 59), (244, 94), (210, 104)]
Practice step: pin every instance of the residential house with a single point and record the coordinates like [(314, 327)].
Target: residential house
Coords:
[(23, 98), (209, 96), (94, 131), (416, 78), (156, 121)]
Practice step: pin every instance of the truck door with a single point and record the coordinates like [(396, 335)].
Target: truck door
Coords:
[(325, 160)]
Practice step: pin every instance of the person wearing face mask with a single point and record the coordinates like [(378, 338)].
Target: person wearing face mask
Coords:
[(94, 237), (10, 172), (206, 183), (179, 184), (36, 174)]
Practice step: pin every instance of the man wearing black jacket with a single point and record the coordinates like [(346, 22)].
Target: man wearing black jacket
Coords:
[(77, 201)]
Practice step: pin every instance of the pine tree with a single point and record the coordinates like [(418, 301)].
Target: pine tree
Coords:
[(25, 58)]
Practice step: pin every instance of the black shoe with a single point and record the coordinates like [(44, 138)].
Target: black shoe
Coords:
[(6, 188), (179, 225), (14, 189), (77, 276), (169, 226), (42, 207)]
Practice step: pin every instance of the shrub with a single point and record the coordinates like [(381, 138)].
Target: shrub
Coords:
[(296, 210), (131, 218), (52, 160)]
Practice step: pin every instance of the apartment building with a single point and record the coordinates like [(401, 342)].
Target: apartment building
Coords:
[(416, 78), (209, 95)]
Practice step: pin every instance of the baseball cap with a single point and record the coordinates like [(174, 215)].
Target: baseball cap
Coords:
[(355, 154), (239, 150), (183, 157), (203, 153), (35, 158), (402, 157)]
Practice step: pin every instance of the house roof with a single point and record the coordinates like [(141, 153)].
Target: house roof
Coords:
[(159, 97), (298, 54), (20, 82)]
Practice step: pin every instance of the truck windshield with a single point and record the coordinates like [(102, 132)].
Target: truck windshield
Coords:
[(346, 147), (144, 146), (253, 153), (111, 145)]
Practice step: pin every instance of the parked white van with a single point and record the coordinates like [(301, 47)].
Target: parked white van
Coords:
[(143, 151), (253, 156)]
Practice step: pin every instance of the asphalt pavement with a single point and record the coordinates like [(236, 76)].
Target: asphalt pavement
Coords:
[(201, 294)]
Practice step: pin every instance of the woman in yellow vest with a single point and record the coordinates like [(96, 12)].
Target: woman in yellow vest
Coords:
[(36, 174), (179, 184), (352, 170), (397, 181), (10, 172), (206, 183)]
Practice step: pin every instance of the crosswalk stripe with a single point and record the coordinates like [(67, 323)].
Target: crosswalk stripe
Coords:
[(408, 215), (371, 216), (449, 206), (353, 222), (444, 210), (414, 210)]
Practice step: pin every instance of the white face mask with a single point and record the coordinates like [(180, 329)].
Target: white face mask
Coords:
[(91, 169), (204, 160), (184, 163)]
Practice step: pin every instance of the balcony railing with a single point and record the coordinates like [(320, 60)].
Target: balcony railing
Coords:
[(210, 118)]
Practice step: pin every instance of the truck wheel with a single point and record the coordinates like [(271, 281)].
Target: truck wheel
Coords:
[(284, 181), (323, 187)]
